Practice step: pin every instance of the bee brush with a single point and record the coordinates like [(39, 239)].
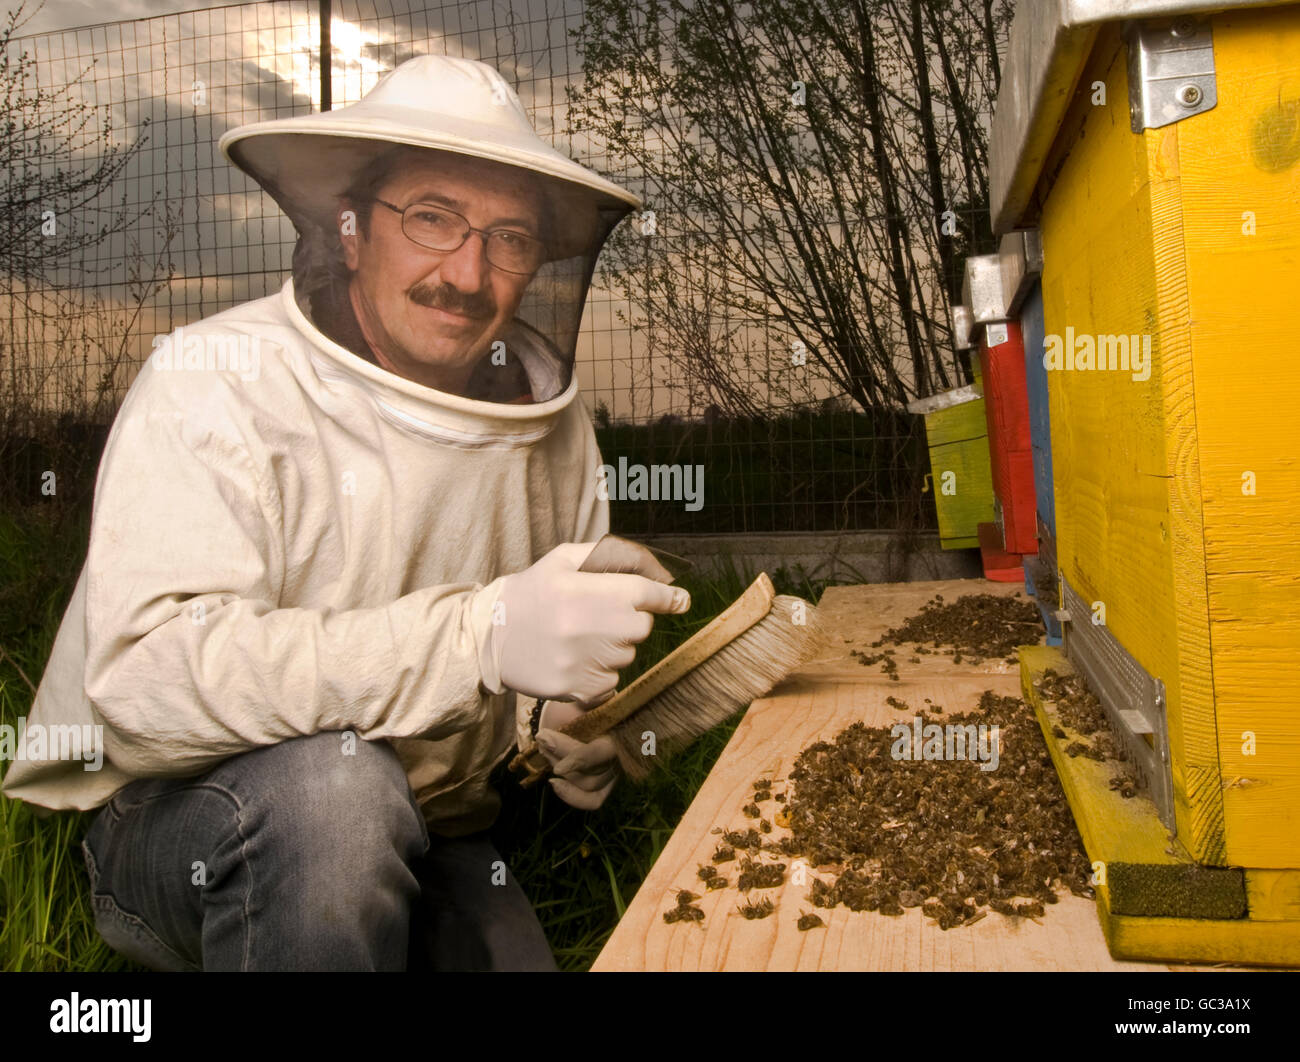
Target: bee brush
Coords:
[(739, 656)]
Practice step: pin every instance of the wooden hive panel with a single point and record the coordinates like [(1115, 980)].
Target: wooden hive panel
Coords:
[(958, 442), (1126, 479), (1244, 156), (1007, 410), (1040, 432), (1191, 233)]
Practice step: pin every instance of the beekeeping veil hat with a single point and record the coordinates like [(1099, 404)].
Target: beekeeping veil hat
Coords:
[(444, 104)]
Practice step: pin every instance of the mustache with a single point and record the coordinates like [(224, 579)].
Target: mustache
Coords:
[(445, 297)]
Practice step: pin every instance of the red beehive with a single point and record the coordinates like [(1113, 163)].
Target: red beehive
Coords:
[(1006, 407)]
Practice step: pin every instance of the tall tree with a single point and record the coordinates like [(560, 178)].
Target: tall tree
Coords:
[(816, 171)]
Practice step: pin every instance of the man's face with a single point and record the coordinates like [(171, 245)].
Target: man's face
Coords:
[(433, 314)]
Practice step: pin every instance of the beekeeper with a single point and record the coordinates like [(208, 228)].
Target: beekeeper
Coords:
[(318, 577)]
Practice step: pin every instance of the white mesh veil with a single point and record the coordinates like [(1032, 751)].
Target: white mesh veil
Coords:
[(541, 336)]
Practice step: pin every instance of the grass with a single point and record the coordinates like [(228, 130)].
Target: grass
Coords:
[(45, 917), (580, 869)]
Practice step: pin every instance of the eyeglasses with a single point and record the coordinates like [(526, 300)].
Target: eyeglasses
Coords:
[(440, 229)]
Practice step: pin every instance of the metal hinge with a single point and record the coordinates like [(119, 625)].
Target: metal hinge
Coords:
[(1170, 71)]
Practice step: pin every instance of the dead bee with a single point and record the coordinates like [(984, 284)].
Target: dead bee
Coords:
[(1124, 785), (808, 921), (822, 894), (751, 811), (685, 896), (761, 909), (707, 873), (724, 853), (684, 914), (716, 883), (760, 875), (764, 826), (749, 839)]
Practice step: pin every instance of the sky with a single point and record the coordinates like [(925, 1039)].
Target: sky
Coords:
[(66, 14), (227, 242)]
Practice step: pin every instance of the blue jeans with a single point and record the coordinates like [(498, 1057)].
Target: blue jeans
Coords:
[(299, 857)]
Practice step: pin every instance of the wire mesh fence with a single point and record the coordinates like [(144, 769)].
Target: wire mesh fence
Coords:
[(170, 233)]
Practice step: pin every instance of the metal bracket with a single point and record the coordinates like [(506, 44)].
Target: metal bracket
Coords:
[(944, 400), (981, 289), (1134, 700), (1170, 71)]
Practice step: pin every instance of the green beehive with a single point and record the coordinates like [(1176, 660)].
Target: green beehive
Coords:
[(961, 478)]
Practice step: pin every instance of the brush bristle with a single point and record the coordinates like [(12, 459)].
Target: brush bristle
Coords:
[(722, 685)]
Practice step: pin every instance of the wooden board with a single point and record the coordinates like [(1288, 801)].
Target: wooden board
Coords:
[(1269, 943), (827, 695)]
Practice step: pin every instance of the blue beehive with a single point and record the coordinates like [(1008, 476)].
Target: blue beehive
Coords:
[(1040, 574)]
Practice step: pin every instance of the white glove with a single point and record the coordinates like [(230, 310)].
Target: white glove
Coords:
[(562, 634), (585, 772)]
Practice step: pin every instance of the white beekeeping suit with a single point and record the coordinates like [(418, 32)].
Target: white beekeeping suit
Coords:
[(288, 538)]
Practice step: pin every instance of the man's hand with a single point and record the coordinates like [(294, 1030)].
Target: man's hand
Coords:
[(585, 772), (565, 633)]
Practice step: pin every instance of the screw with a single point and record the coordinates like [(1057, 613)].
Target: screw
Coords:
[(1183, 27), (1189, 95)]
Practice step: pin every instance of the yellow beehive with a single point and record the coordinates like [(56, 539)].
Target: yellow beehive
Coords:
[(1178, 496)]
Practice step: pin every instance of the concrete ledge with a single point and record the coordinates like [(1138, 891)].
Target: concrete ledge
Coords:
[(847, 557)]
